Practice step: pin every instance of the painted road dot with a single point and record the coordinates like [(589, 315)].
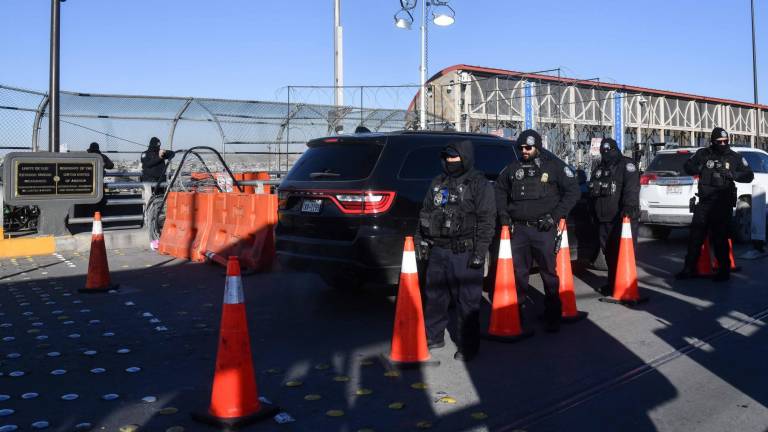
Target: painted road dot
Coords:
[(334, 413), (98, 370), (479, 415), (133, 369), (85, 426), (58, 372), (129, 428), (312, 397), (149, 399), (5, 412), (70, 396), (40, 424), (123, 351), (295, 383), (110, 396), (30, 395), (363, 391), (17, 374), (341, 378), (392, 373), (168, 411), (418, 386)]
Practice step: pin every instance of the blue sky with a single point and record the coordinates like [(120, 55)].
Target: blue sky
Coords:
[(248, 49)]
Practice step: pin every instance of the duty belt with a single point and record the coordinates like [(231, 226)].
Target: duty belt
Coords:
[(526, 223), (455, 245)]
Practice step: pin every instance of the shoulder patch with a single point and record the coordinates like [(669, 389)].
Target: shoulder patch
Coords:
[(744, 161), (568, 171), (631, 167)]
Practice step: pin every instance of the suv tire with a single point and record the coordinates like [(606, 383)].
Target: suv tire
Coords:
[(660, 232)]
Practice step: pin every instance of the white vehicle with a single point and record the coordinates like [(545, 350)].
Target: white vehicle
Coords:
[(665, 191)]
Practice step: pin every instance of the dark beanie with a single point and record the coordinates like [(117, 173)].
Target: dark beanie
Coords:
[(154, 142), (93, 147), (718, 133), (529, 137)]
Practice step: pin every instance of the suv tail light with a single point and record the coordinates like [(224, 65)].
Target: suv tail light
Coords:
[(648, 179), (364, 202), (348, 201)]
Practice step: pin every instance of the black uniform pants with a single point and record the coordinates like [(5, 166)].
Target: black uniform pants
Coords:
[(610, 240), (712, 216), (529, 245), (450, 280)]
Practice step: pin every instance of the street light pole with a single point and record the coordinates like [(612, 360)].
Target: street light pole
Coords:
[(754, 77), (423, 68), (338, 56), (53, 88)]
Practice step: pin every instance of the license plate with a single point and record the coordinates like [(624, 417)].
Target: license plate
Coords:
[(674, 190), (311, 206)]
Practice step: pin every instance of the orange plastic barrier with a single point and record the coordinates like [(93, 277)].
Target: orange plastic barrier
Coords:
[(206, 225), (186, 216)]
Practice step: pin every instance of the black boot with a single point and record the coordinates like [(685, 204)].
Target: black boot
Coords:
[(436, 344)]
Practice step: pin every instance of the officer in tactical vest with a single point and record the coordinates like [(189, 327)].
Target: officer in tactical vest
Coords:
[(614, 192), (154, 162), (456, 225), (718, 167), (532, 194)]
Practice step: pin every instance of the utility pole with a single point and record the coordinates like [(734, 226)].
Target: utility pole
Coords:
[(338, 56), (53, 87), (754, 78)]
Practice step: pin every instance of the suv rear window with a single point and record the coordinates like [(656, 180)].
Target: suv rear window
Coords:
[(670, 162), (424, 163), (336, 161)]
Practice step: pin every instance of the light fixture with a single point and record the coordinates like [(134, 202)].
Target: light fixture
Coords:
[(403, 19), (442, 14)]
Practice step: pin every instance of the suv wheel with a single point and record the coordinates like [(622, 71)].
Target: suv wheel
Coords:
[(742, 220)]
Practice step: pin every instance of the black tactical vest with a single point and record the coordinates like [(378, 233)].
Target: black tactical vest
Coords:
[(528, 182), (449, 217), (603, 184)]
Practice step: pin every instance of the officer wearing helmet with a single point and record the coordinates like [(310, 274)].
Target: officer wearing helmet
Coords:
[(154, 162), (456, 225), (532, 194), (718, 167), (614, 192)]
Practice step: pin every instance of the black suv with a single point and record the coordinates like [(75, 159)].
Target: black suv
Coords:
[(348, 202)]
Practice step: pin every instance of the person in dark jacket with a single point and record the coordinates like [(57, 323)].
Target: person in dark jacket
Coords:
[(154, 162), (718, 168), (532, 194), (456, 225), (614, 191), (94, 148)]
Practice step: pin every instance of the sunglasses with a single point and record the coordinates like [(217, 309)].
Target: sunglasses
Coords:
[(526, 147)]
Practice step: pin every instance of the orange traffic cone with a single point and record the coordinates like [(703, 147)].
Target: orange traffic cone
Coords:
[(505, 313), (234, 397), (704, 265), (734, 267), (625, 289), (409, 338), (565, 274), (98, 268)]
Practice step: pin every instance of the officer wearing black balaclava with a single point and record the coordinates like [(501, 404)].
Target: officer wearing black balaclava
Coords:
[(456, 225), (614, 192), (532, 194), (154, 161), (717, 167)]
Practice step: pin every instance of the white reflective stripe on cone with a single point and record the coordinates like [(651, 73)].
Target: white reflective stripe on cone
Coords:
[(409, 262), (233, 291), (505, 249), (626, 230), (97, 228), (564, 240)]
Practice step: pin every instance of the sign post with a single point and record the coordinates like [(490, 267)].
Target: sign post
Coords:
[(53, 182)]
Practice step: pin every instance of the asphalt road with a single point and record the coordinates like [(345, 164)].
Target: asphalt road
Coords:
[(692, 358)]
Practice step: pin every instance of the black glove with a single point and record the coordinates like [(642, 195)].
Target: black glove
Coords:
[(168, 154), (633, 212), (545, 223), (476, 261), (422, 250)]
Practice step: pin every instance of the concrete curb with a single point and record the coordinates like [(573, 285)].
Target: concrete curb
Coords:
[(121, 239)]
